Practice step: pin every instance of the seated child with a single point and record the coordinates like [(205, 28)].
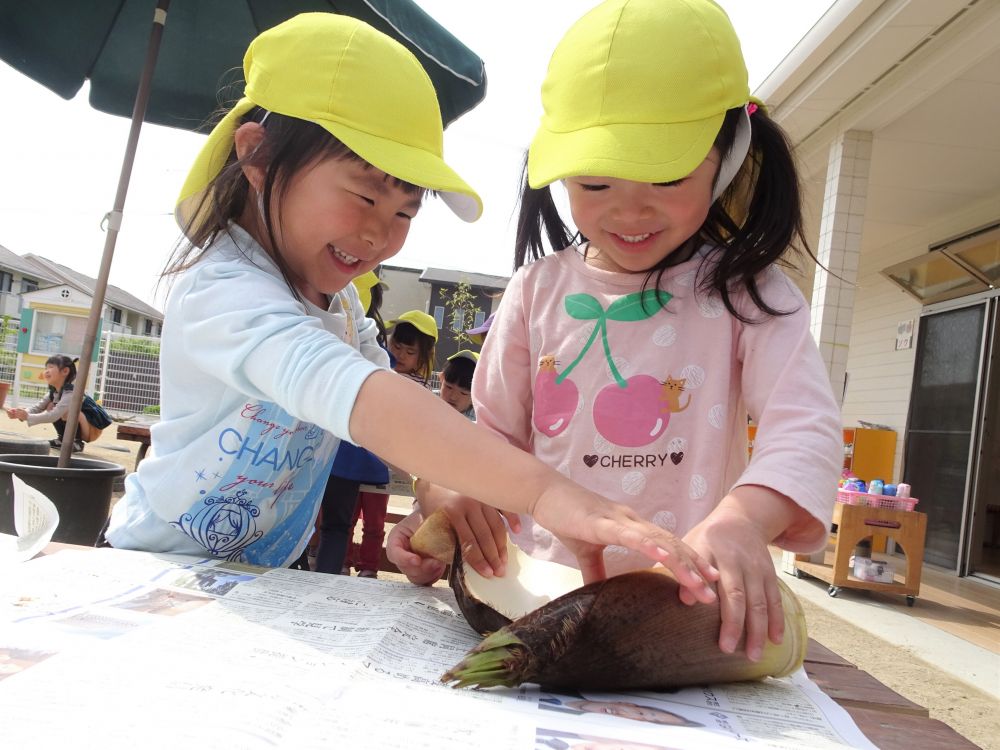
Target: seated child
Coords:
[(59, 373)]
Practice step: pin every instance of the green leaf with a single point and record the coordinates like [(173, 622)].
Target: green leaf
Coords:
[(583, 307), (638, 306)]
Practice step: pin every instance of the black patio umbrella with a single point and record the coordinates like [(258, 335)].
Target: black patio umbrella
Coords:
[(141, 66)]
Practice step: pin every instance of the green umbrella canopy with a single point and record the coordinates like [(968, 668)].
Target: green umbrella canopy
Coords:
[(62, 43), (193, 50)]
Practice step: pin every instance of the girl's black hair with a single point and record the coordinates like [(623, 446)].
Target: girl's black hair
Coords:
[(61, 361), (289, 145), (409, 335), (752, 225), (459, 372), (374, 312)]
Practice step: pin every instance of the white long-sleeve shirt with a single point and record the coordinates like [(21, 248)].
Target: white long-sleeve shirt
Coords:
[(647, 403), (257, 390)]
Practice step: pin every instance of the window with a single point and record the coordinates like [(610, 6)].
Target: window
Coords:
[(116, 315), (458, 319), (956, 268), (28, 285), (439, 316), (6, 280), (148, 327), (480, 319), (57, 334)]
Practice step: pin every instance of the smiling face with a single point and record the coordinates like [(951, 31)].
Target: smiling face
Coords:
[(338, 219), (55, 375), (632, 226)]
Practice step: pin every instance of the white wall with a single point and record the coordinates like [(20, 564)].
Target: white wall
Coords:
[(880, 378), (405, 292)]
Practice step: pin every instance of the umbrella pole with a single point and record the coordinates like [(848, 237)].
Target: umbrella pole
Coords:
[(114, 219)]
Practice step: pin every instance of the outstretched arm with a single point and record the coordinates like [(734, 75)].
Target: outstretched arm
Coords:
[(390, 411)]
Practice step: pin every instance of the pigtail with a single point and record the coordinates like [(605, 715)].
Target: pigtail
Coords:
[(757, 220), (374, 312), (537, 214)]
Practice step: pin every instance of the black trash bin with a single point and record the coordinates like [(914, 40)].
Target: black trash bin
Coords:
[(81, 492)]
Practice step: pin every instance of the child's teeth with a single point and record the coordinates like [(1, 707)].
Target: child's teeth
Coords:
[(635, 237), (350, 259)]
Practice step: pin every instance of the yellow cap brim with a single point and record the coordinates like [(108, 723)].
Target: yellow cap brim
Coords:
[(410, 164), (407, 163), (641, 152)]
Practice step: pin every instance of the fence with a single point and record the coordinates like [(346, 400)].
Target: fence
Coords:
[(125, 379)]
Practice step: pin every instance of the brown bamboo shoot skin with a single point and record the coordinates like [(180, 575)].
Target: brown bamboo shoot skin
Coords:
[(627, 632)]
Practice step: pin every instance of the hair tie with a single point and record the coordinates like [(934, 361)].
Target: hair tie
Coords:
[(751, 108)]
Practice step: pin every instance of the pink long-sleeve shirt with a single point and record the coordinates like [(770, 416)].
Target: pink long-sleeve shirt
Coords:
[(644, 397)]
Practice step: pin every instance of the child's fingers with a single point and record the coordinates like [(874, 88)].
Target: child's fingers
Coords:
[(775, 611), (513, 520), (755, 618), (590, 559), (478, 548), (690, 569)]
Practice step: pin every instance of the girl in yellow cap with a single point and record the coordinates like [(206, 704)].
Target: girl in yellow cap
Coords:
[(631, 357), (267, 359), (412, 340)]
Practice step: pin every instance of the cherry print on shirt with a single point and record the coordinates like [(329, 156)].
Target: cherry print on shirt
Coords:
[(555, 398), (627, 412)]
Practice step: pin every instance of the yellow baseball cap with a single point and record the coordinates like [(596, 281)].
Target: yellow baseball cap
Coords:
[(364, 284), (419, 320), (638, 90), (363, 87), (465, 354)]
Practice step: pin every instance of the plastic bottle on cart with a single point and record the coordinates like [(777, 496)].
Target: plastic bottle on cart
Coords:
[(875, 487), (902, 490)]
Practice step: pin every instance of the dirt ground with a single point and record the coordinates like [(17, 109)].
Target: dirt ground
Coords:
[(970, 712)]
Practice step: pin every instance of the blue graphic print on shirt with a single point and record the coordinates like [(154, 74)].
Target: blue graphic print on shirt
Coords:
[(261, 487)]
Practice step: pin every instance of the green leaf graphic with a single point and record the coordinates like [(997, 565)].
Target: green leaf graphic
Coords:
[(583, 307), (637, 306)]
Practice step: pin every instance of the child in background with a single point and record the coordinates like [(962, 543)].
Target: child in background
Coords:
[(59, 374), (311, 180), (456, 382), (411, 345), (411, 348), (352, 466), (478, 334), (686, 200)]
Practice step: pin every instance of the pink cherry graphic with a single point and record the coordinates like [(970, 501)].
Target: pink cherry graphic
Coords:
[(631, 416), (555, 403)]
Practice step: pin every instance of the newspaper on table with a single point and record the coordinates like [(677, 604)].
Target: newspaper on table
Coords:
[(35, 520), (186, 652)]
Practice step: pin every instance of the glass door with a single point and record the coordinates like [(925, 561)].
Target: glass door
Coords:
[(984, 532), (941, 425)]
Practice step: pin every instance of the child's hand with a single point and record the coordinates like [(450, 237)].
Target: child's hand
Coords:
[(19, 414), (586, 523), (422, 571), (480, 528), (748, 587)]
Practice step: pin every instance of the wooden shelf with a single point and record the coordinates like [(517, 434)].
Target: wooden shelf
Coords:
[(906, 528)]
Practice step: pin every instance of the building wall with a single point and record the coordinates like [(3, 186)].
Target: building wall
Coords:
[(405, 292), (879, 377), (446, 346)]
